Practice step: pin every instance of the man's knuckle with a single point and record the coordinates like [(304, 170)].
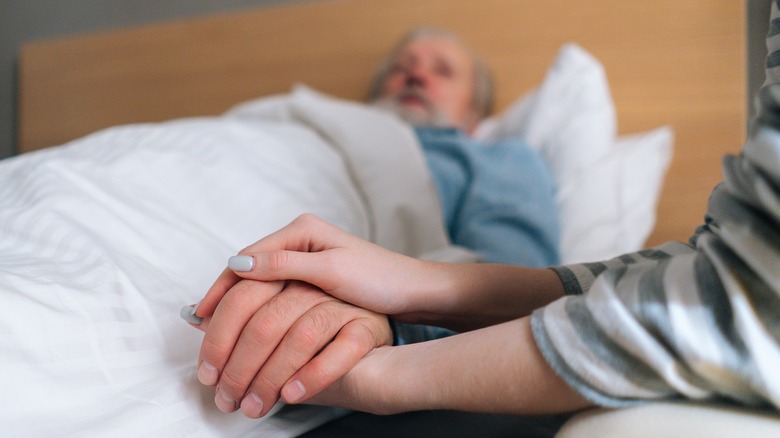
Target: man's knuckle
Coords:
[(234, 381), (327, 315), (304, 218), (285, 304), (261, 331), (323, 373), (356, 345), (240, 294), (305, 338), (365, 337), (266, 384), (308, 220), (214, 348)]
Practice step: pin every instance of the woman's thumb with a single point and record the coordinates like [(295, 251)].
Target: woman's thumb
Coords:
[(279, 265)]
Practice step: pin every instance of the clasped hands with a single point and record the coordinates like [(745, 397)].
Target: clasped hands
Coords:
[(274, 334)]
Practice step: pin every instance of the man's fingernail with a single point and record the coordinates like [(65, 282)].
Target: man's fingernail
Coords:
[(251, 405), (207, 374), (293, 392), (187, 313), (241, 263), (225, 402)]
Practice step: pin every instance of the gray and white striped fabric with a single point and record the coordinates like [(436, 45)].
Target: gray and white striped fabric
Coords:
[(698, 320)]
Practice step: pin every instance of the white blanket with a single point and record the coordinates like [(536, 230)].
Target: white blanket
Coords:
[(104, 239)]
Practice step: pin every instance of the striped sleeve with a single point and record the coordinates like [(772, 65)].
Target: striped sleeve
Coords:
[(773, 47), (698, 321), (578, 278), (412, 333)]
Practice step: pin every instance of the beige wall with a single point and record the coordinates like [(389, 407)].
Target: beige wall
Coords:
[(28, 20)]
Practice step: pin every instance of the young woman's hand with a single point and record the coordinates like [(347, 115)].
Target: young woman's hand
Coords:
[(457, 296), (347, 267)]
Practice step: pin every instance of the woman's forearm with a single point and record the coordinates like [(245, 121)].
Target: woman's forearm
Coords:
[(469, 296), (497, 369), (458, 296)]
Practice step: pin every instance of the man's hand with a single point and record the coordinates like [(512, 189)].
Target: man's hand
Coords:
[(267, 339)]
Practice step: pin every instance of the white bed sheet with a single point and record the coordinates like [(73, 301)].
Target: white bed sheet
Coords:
[(104, 239)]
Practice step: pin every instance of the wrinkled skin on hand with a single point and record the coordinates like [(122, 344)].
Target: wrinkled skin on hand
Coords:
[(266, 340)]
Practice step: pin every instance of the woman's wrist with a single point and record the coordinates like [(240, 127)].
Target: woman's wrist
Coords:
[(467, 296)]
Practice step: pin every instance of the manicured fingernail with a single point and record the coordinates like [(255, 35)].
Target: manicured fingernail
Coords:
[(293, 392), (241, 263), (224, 402), (187, 313), (207, 374), (251, 405)]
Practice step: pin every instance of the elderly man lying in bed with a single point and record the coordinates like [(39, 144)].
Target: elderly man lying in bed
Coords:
[(494, 199)]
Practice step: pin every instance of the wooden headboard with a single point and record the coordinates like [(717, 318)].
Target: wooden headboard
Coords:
[(674, 62)]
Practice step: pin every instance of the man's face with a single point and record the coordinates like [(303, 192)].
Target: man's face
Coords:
[(432, 82)]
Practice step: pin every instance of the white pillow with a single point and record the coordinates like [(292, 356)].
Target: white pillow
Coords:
[(643, 160), (606, 208)]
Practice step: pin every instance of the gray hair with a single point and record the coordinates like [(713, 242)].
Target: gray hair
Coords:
[(483, 99)]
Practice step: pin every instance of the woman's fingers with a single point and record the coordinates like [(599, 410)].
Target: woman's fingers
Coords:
[(313, 251), (281, 256), (310, 267)]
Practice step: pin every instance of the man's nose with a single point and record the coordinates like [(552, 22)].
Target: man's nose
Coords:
[(416, 77)]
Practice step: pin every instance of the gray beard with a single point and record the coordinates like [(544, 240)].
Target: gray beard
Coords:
[(430, 117)]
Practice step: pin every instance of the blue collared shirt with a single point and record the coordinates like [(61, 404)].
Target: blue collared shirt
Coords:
[(498, 200)]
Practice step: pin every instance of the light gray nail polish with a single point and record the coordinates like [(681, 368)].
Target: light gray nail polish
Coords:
[(241, 263), (187, 313)]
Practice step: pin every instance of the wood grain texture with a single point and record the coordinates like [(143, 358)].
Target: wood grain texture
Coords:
[(669, 62)]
